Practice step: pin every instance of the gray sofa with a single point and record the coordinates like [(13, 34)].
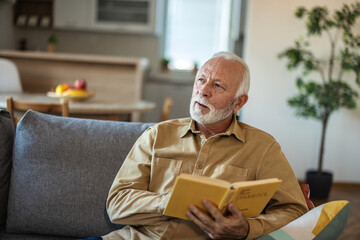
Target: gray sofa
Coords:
[(55, 174)]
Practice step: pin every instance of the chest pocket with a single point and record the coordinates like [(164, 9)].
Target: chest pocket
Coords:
[(230, 173), (163, 174)]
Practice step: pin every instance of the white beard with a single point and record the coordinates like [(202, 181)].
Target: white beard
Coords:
[(213, 115)]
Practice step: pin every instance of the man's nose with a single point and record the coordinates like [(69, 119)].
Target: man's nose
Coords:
[(205, 90)]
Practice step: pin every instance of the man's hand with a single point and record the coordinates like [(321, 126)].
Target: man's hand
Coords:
[(232, 226)]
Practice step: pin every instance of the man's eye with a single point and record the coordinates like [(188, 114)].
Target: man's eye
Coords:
[(218, 85), (200, 80)]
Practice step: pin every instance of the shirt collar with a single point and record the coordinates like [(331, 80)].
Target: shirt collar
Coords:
[(234, 129)]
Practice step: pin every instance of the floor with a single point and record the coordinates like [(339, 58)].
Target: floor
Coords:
[(350, 192)]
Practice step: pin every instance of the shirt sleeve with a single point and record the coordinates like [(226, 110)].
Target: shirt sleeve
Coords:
[(129, 201), (288, 202)]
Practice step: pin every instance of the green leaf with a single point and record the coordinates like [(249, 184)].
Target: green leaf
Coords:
[(299, 83), (299, 13), (299, 56), (316, 21), (351, 62)]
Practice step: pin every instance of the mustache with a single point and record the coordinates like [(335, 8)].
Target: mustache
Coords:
[(202, 101)]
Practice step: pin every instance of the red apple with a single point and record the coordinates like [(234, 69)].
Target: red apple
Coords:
[(80, 83)]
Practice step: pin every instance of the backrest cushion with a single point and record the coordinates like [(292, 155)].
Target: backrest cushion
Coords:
[(7, 133), (63, 169), (324, 222)]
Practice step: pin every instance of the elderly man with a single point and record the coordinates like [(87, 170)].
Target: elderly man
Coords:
[(210, 143)]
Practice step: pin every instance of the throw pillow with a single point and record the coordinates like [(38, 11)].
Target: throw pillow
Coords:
[(63, 169), (325, 222)]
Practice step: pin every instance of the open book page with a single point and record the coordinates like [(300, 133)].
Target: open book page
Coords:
[(252, 199)]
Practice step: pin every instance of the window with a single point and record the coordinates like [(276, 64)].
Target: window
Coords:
[(196, 29)]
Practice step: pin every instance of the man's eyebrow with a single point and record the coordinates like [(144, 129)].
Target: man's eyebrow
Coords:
[(217, 80), (202, 75)]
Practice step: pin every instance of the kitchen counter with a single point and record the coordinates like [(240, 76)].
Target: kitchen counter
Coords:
[(115, 79), (71, 57)]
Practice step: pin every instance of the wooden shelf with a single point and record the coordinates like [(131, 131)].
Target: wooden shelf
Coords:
[(33, 13)]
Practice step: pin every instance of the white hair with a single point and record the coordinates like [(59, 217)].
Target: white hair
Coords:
[(245, 83)]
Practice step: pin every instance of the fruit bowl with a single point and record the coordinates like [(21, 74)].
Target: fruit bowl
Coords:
[(72, 97)]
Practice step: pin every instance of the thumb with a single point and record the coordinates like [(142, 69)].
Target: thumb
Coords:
[(235, 211)]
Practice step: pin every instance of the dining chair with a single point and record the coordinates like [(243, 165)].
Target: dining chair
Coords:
[(9, 77), (53, 108), (166, 109)]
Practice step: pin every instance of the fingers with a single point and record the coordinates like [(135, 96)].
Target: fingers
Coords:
[(235, 211), (213, 210), (219, 227), (204, 221), (201, 219), (242, 224)]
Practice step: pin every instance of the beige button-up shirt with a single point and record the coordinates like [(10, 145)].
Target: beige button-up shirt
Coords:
[(141, 188)]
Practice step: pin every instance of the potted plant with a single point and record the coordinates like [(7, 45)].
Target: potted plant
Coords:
[(319, 98), (165, 64), (51, 43)]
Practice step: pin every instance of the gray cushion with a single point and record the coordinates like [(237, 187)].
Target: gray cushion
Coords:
[(62, 171), (7, 133)]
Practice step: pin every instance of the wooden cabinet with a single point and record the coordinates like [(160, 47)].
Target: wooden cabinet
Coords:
[(125, 16), (128, 16), (72, 14), (33, 13)]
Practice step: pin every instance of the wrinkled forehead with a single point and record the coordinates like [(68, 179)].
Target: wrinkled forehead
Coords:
[(221, 68)]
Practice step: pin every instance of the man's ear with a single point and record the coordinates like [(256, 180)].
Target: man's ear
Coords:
[(240, 102)]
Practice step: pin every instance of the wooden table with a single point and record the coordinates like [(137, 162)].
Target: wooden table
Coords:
[(91, 108)]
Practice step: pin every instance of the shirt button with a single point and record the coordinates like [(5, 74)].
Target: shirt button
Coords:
[(199, 166)]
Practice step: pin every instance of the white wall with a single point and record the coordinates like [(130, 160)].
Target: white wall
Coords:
[(271, 28)]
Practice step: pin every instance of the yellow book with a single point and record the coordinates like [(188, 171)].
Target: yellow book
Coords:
[(250, 197)]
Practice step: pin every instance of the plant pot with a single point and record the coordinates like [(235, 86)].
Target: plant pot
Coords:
[(320, 184), (51, 47)]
